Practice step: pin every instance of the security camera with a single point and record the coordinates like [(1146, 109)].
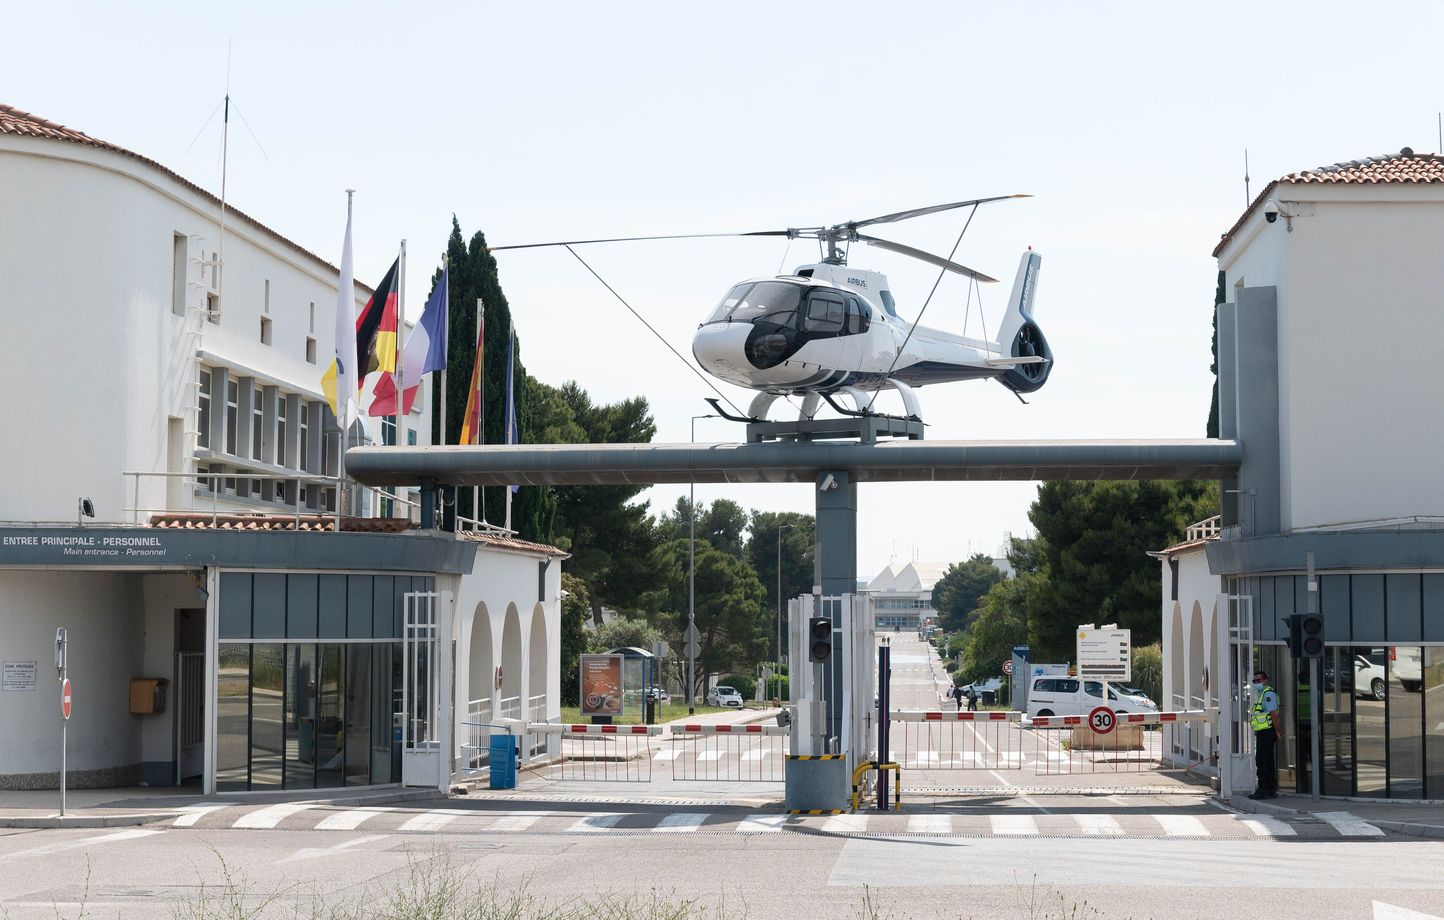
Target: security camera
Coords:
[(1271, 211), (828, 483)]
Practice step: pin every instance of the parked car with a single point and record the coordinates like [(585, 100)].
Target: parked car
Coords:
[(1136, 694), (724, 696), (659, 695), (1069, 696), (1407, 664)]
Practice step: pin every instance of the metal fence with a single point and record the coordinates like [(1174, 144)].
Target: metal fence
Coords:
[(729, 753), (942, 740)]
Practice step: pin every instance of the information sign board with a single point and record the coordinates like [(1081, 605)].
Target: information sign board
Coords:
[(18, 675), (1104, 654), (601, 680)]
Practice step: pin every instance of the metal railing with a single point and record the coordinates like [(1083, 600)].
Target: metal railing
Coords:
[(536, 708), (1203, 530), (479, 710), (943, 740), (727, 753), (600, 753), (205, 485), (474, 524), (509, 708)]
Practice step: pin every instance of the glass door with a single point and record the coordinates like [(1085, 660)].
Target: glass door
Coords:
[(421, 763)]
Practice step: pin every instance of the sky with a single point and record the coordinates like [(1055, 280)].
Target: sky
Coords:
[(1127, 122)]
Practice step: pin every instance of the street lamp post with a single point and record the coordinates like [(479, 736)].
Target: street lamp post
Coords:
[(777, 660), (692, 580)]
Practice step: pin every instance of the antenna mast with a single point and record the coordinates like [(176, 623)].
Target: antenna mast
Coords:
[(225, 151), (1247, 198)]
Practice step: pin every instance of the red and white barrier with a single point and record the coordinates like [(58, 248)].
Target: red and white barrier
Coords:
[(548, 728), (943, 715), (754, 729), (1129, 718)]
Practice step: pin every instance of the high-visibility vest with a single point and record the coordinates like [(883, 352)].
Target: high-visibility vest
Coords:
[(1259, 720)]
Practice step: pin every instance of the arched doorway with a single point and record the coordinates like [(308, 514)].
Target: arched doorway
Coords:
[(1217, 670), (537, 659), (481, 669), (509, 695), (1198, 740), (1177, 689)]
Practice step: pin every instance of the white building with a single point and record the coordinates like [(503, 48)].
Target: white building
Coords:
[(903, 594), (168, 371), (1327, 378)]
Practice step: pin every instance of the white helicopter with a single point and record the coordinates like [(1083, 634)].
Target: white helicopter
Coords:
[(830, 329)]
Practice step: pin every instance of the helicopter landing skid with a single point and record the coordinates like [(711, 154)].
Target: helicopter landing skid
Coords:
[(853, 425)]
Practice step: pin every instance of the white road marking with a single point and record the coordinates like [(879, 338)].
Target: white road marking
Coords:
[(517, 822), (594, 823), (1268, 826), (680, 823), (194, 813), (710, 755), (1181, 825), (754, 754), (845, 824), (116, 837), (313, 852), (1098, 824), (930, 824), (761, 824), (1013, 824), (1384, 911), (429, 821), (351, 819), (1349, 825), (268, 817), (671, 753)]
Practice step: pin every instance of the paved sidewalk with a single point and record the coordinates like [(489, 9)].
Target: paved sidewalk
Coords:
[(1414, 819), (134, 806)]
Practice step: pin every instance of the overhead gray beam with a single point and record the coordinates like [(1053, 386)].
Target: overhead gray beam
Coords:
[(785, 462)]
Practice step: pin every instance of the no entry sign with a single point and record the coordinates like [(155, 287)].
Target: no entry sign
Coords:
[(1102, 719), (65, 699)]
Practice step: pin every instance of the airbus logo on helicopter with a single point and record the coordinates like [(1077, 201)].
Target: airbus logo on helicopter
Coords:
[(814, 334)]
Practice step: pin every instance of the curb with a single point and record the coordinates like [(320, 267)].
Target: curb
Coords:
[(52, 821)]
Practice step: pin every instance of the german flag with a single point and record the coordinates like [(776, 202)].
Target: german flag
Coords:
[(376, 327)]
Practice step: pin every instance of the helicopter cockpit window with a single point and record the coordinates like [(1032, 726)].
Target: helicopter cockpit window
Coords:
[(826, 313), (766, 301), (730, 302)]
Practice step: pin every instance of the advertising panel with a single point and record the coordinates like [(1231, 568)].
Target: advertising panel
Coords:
[(601, 679)]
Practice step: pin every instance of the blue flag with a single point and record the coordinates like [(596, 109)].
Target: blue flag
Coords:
[(511, 434)]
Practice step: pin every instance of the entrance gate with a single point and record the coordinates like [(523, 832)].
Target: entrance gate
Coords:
[(420, 718)]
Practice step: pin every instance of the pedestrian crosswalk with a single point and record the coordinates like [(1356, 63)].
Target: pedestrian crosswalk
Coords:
[(485, 818)]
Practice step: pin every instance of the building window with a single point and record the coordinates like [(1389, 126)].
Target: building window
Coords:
[(311, 324), (213, 307), (233, 414), (411, 437), (305, 440), (178, 275), (280, 430), (310, 349), (203, 421), (258, 421), (265, 330), (388, 430)]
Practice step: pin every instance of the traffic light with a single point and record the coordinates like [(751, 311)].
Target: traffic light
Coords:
[(819, 637), (1293, 622), (1311, 632)]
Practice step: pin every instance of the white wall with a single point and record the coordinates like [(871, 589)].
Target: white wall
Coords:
[(1361, 289), (102, 612), (86, 251)]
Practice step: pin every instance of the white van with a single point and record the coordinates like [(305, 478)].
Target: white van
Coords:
[(1407, 664), (1069, 696)]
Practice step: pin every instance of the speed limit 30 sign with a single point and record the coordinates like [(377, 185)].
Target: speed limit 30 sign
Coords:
[(1102, 720)]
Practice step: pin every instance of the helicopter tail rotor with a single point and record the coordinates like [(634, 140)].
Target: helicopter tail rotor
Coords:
[(1019, 335)]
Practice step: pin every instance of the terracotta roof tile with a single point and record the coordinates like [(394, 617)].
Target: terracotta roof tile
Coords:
[(17, 122), (278, 522), (1402, 168), (501, 541)]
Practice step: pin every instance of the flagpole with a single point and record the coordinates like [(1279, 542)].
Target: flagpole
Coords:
[(342, 386), (446, 307), (480, 433), (509, 418), (400, 369)]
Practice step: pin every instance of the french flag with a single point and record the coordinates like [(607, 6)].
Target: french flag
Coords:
[(425, 352)]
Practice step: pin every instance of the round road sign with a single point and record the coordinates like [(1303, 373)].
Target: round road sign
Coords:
[(1008, 666), (65, 699), (1102, 719)]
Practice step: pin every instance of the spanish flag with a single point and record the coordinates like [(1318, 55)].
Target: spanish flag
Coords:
[(471, 420), (376, 327)]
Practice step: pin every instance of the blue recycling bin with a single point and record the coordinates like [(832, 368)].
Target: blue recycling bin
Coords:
[(502, 751)]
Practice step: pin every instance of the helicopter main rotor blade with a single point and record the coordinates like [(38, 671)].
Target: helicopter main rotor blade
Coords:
[(919, 212), (637, 239), (927, 257)]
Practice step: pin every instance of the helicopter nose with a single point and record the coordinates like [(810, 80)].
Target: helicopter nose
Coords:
[(718, 347)]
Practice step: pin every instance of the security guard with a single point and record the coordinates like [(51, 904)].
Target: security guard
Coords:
[(1267, 730)]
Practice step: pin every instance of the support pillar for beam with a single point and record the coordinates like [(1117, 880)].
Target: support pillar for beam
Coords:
[(428, 504), (835, 565)]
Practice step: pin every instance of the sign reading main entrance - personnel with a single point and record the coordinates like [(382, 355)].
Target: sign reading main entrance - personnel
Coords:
[(1103, 654)]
